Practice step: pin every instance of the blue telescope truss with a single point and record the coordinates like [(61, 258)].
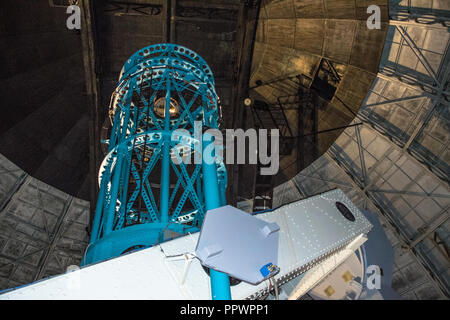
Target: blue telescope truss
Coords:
[(147, 194)]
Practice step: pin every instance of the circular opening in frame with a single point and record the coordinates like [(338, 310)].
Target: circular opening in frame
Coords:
[(160, 108), (345, 211)]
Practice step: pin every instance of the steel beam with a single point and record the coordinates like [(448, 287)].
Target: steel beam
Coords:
[(403, 237), (393, 101), (88, 42), (443, 216), (53, 241), (418, 54), (246, 32), (220, 282)]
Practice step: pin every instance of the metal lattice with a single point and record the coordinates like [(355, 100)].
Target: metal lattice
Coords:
[(147, 193)]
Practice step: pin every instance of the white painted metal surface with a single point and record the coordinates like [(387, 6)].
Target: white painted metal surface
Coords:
[(310, 231), (344, 281), (314, 276)]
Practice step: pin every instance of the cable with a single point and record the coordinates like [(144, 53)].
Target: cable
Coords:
[(175, 255), (85, 251), (276, 289), (270, 286)]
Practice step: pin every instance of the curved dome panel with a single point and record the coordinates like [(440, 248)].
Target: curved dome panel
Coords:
[(314, 60), (44, 127)]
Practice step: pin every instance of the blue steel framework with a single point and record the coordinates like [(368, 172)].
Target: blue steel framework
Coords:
[(162, 88)]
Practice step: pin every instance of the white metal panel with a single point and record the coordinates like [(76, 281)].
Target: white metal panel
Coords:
[(140, 275), (310, 230)]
